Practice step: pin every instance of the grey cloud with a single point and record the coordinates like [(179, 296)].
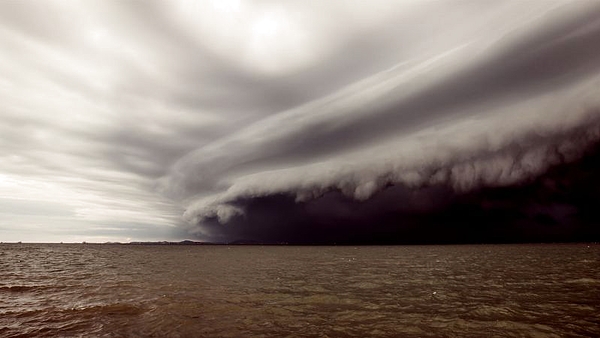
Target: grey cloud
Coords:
[(523, 96), (108, 104), (25, 207)]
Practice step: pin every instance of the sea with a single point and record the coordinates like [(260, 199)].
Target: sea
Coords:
[(112, 290)]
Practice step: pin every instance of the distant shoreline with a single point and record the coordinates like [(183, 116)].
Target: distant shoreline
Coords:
[(254, 243)]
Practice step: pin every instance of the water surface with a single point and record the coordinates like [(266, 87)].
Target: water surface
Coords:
[(288, 291)]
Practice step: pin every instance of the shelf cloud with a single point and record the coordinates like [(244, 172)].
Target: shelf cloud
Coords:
[(496, 108)]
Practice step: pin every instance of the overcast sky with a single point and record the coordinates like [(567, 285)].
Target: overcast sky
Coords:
[(166, 120)]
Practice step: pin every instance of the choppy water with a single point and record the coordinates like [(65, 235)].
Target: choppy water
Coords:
[(239, 291)]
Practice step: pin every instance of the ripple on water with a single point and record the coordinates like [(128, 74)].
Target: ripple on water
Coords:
[(430, 291)]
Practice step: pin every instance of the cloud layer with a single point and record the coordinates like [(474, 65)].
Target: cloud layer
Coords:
[(493, 109), (119, 117)]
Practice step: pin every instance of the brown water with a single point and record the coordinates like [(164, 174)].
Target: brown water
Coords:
[(239, 291)]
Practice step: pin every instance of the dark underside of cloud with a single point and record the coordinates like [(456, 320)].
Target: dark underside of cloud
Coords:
[(559, 206)]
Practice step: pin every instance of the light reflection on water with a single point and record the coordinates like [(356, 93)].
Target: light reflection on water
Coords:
[(272, 291)]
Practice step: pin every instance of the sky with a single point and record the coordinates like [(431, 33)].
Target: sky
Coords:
[(303, 121)]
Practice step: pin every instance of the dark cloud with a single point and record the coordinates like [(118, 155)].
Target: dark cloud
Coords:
[(480, 115), (559, 205)]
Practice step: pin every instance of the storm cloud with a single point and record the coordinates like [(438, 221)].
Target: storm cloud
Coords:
[(302, 121), (494, 109)]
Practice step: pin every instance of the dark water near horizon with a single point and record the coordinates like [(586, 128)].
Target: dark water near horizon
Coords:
[(75, 290)]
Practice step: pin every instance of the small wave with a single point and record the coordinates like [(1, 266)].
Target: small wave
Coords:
[(23, 313), (53, 314), (81, 321), (583, 281), (118, 309), (24, 288), (487, 312)]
